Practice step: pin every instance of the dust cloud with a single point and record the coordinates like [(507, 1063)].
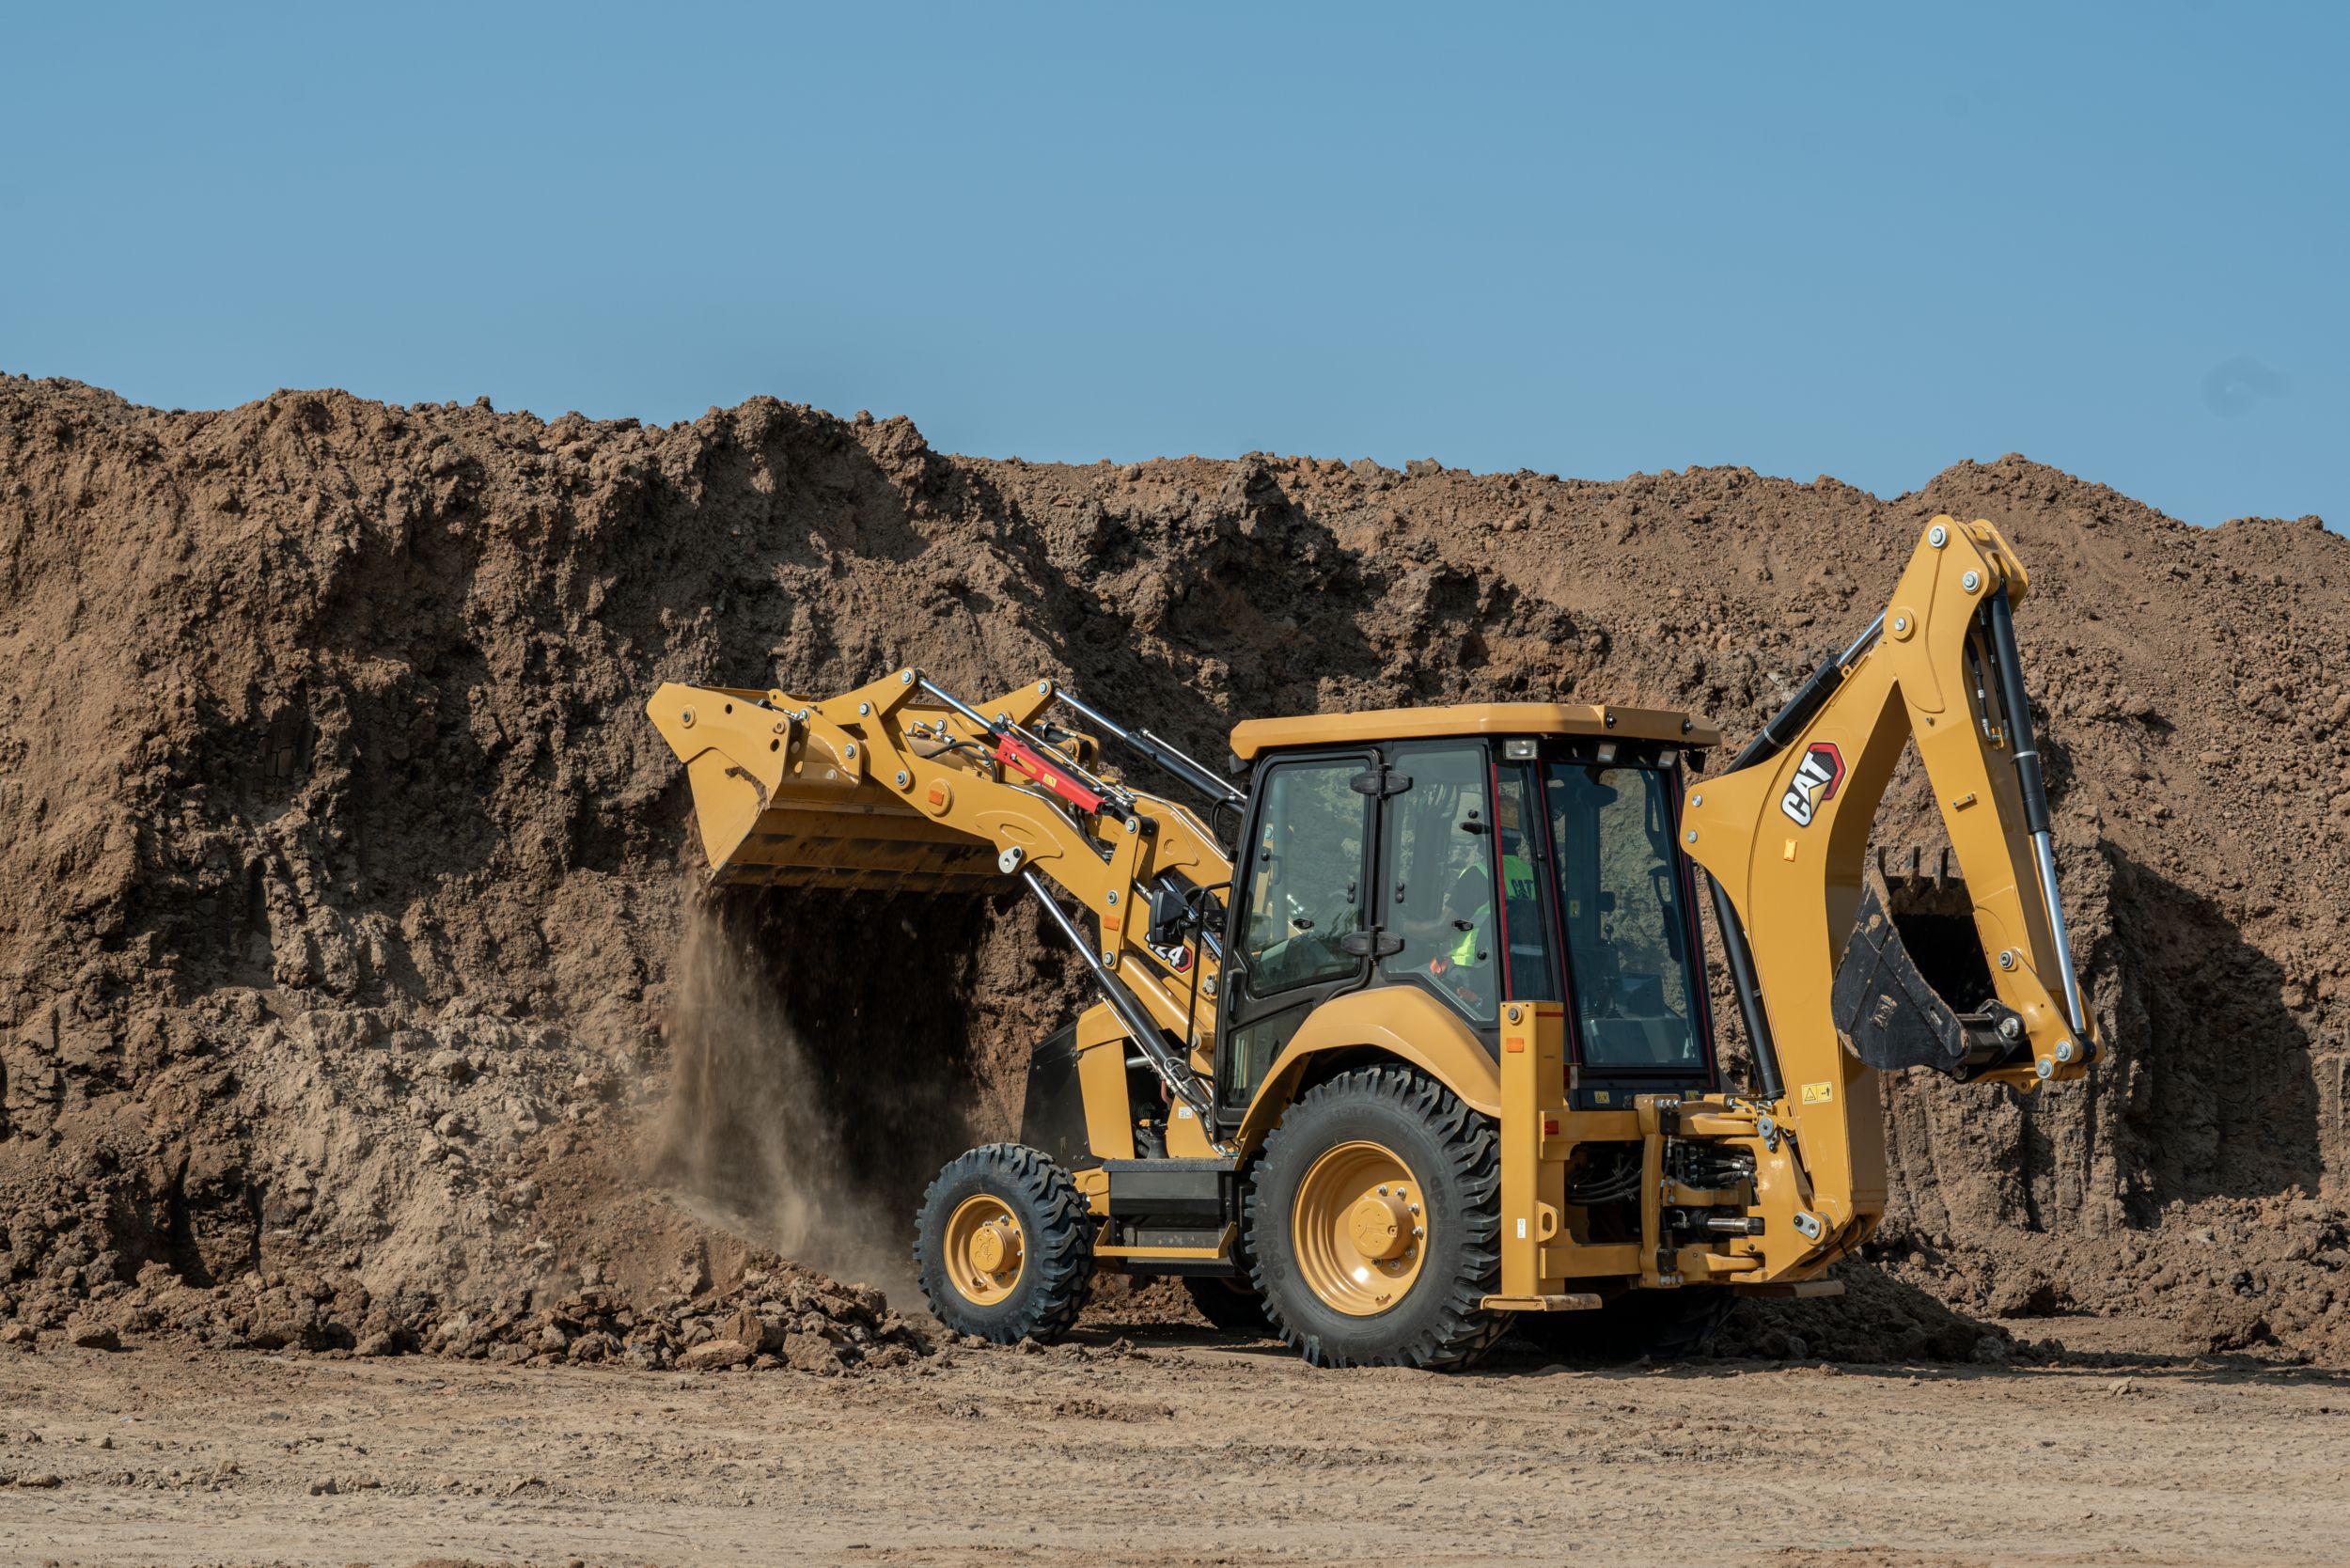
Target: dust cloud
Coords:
[(745, 1136)]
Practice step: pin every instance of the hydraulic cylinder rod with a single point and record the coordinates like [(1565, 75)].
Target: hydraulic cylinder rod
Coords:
[(1165, 754), (2001, 617)]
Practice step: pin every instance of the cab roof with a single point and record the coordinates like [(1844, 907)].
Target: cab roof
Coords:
[(1251, 736)]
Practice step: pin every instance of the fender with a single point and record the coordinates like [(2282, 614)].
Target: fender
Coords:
[(1399, 1021)]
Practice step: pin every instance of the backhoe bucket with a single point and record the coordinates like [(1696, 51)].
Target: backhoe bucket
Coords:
[(1890, 1011)]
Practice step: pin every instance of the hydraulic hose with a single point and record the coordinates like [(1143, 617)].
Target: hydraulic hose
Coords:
[(1741, 957)]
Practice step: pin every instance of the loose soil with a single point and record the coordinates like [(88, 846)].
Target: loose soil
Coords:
[(357, 991), (1134, 1447)]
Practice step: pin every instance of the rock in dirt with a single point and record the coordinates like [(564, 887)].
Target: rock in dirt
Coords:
[(715, 1355), (90, 1335)]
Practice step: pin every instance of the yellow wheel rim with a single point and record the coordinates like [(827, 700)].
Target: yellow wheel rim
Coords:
[(985, 1251), (1360, 1226)]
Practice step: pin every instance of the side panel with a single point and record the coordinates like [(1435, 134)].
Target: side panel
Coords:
[(1109, 1117), (1053, 1118)]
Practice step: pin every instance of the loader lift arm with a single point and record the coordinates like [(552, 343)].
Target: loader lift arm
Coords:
[(1828, 993)]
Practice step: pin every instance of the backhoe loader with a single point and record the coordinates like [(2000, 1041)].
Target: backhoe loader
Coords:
[(1408, 1041)]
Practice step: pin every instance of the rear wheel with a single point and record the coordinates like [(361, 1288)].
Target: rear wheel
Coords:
[(1004, 1247), (1374, 1218), (1232, 1305), (1664, 1325)]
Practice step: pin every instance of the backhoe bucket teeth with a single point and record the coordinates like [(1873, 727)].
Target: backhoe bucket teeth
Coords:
[(1891, 1017)]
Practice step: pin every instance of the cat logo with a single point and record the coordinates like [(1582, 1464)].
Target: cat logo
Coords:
[(1818, 777)]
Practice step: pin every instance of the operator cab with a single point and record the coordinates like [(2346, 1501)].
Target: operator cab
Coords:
[(1481, 854)]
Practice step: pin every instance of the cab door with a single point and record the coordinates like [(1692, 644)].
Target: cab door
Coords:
[(1299, 915)]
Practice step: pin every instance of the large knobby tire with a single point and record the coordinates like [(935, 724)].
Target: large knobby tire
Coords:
[(1425, 1165), (1230, 1304), (1664, 1326), (1003, 1245)]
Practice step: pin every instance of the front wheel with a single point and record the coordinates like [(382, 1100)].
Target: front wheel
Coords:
[(1004, 1247), (1374, 1218)]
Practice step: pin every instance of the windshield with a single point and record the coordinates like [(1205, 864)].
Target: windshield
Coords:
[(1627, 932)]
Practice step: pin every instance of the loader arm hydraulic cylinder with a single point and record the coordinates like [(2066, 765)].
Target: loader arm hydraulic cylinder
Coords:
[(1180, 1080)]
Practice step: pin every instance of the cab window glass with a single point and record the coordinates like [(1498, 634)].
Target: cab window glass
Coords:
[(1517, 825), (1436, 859), (1627, 936), (1305, 896)]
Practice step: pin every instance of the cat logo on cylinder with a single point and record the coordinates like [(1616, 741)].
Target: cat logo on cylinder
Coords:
[(1817, 778)]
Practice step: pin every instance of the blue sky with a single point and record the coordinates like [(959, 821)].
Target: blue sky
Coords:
[(1808, 240)]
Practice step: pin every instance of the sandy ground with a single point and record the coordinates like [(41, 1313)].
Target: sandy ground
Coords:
[(1188, 1450)]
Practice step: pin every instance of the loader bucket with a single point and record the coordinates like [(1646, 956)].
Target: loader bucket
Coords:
[(1894, 1010), (781, 803)]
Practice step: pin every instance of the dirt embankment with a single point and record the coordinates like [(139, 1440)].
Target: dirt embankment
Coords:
[(341, 903)]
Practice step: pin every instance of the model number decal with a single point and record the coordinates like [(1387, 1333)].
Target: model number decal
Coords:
[(1817, 778)]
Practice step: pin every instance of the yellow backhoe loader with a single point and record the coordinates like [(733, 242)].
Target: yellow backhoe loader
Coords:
[(1409, 1040)]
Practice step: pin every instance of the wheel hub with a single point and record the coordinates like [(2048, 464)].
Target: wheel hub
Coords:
[(1359, 1228), (996, 1247), (1380, 1226), (984, 1250)]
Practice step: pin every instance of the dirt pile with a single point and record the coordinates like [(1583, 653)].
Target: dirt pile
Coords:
[(341, 900)]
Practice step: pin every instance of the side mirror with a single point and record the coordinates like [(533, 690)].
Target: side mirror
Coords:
[(1170, 914)]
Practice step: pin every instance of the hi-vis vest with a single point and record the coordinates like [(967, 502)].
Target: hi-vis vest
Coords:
[(1517, 886)]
